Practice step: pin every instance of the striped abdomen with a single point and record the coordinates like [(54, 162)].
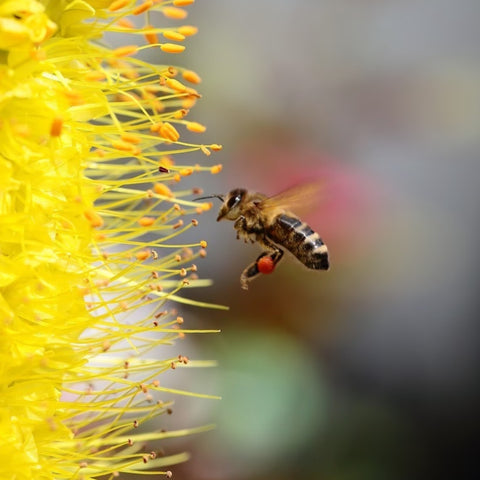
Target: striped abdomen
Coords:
[(297, 237)]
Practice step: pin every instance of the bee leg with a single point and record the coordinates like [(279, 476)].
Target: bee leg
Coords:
[(252, 270)]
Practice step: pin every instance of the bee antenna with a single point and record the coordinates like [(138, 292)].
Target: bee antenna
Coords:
[(220, 197)]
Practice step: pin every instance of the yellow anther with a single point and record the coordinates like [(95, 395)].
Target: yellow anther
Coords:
[(175, 85), (172, 35), (216, 169), (143, 7), (125, 51), (195, 127), (187, 30), (117, 5), (131, 138), (191, 76), (146, 221), (168, 131), (172, 48), (175, 13), (93, 217), (182, 3)]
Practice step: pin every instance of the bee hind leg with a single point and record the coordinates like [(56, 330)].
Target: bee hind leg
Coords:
[(253, 271)]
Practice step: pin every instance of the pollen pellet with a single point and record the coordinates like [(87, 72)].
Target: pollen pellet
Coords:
[(191, 76), (172, 35), (174, 13), (117, 5), (125, 51), (216, 169), (143, 7), (265, 265), (196, 127), (146, 221), (188, 30), (93, 217), (56, 127), (172, 48)]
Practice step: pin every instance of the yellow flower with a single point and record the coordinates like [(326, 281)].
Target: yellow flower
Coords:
[(89, 215)]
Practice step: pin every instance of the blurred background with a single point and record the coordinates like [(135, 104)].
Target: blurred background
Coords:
[(371, 370)]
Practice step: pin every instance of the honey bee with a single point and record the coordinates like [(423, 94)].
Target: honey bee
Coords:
[(269, 221)]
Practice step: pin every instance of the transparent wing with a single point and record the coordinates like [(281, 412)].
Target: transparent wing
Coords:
[(297, 199)]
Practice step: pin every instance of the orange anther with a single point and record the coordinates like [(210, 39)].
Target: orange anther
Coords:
[(125, 23), (146, 221), (143, 255), (117, 5), (56, 127), (123, 146), (182, 3), (93, 217), (216, 169), (125, 51), (131, 138), (185, 172), (151, 37), (143, 7), (174, 13), (172, 35), (187, 30), (161, 189), (195, 127), (175, 85), (168, 131), (191, 76)]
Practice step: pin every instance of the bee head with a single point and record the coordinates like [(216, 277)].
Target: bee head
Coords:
[(231, 205)]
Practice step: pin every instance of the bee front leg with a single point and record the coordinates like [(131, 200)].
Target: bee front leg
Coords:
[(253, 270), (240, 226)]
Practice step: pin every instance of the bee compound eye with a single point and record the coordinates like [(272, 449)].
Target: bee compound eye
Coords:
[(233, 200)]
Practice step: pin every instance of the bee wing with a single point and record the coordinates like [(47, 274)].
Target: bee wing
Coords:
[(295, 199)]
